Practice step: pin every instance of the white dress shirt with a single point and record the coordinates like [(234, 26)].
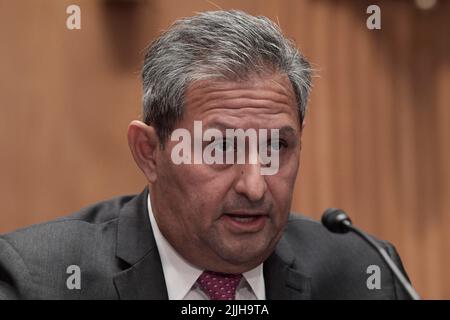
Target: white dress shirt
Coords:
[(181, 276)]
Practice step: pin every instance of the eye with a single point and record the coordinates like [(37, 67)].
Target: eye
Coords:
[(223, 145), (277, 145)]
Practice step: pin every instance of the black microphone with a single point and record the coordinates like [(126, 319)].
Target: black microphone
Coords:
[(337, 221)]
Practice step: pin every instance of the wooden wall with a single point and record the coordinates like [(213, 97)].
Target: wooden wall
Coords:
[(376, 139)]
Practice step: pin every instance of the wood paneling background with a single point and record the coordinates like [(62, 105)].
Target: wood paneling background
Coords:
[(376, 138)]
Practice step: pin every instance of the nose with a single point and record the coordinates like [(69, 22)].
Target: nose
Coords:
[(250, 182)]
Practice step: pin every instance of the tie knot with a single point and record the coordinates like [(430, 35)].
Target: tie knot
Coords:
[(219, 286)]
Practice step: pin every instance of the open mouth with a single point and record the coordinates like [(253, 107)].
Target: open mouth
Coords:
[(245, 222), (244, 218)]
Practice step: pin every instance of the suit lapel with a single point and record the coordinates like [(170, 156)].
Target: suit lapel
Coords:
[(144, 280), (143, 277), (282, 279)]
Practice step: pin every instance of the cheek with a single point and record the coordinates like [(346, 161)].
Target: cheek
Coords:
[(282, 184), (281, 192), (212, 187), (289, 165), (199, 188)]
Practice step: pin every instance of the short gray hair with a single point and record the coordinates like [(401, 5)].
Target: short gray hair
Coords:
[(229, 45)]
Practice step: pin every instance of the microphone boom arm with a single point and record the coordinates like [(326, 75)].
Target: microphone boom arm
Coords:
[(399, 275)]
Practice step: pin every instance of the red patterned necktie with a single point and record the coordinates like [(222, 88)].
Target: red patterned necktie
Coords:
[(219, 286)]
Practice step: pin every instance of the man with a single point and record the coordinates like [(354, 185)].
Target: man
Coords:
[(203, 229)]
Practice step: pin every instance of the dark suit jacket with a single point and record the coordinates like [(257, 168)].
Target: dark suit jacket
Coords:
[(113, 244)]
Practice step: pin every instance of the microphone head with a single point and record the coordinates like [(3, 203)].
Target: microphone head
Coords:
[(336, 220)]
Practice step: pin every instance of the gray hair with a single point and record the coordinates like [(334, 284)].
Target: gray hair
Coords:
[(228, 45)]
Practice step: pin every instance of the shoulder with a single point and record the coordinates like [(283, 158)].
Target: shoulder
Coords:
[(315, 240), (311, 233), (37, 257), (84, 223), (343, 262)]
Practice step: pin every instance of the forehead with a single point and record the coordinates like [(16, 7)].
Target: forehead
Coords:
[(260, 101)]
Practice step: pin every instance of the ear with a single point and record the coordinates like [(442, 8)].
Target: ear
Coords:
[(144, 143)]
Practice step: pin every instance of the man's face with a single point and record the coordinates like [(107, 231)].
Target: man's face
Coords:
[(229, 217)]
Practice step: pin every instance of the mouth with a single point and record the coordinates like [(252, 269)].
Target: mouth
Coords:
[(245, 221)]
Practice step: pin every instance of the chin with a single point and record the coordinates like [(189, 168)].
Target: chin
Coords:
[(245, 257)]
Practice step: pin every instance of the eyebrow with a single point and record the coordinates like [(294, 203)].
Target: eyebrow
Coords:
[(285, 130)]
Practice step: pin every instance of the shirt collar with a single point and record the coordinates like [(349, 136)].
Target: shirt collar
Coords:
[(180, 275), (255, 279)]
